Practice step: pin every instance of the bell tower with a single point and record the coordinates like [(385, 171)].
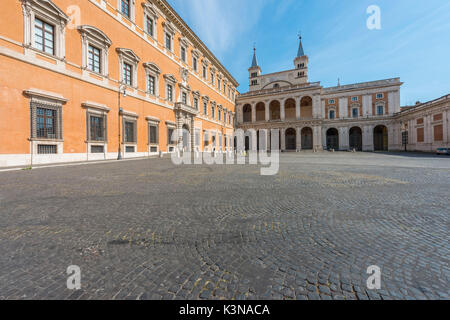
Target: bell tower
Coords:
[(254, 72), (301, 61)]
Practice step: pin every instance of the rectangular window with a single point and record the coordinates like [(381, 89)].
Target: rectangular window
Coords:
[(183, 54), (254, 82), (420, 135), (184, 98), (47, 149), (332, 114), (126, 8), (194, 64), (44, 37), (169, 41), (212, 112), (254, 75), (153, 134), (97, 128), (218, 84), (355, 113), (204, 72), (130, 132), (206, 138), (94, 62), (97, 149), (169, 93), (212, 78), (150, 26), (205, 108), (130, 149), (171, 136), (380, 110), (196, 103), (438, 132), (380, 95), (354, 98), (331, 101), (151, 85), (219, 115), (46, 123), (127, 74)]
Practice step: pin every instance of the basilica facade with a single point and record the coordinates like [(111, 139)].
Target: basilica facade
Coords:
[(360, 117)]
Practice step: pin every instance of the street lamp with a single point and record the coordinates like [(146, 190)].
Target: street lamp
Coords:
[(119, 154)]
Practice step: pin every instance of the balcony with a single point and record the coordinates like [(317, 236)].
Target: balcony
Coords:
[(180, 106)]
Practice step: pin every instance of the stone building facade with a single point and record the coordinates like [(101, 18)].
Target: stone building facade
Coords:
[(64, 62), (362, 116)]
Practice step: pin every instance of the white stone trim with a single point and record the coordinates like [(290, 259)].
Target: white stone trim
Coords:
[(95, 37), (50, 13)]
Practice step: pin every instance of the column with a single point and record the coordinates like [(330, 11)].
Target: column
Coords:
[(283, 139), (368, 138), (317, 138), (282, 110), (253, 112), (391, 102), (344, 143), (254, 139), (263, 138), (367, 106), (445, 127), (267, 106), (316, 106), (391, 140), (298, 132), (240, 114), (324, 137), (343, 108), (297, 107)]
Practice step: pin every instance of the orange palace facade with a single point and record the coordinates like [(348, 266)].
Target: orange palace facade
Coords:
[(69, 63)]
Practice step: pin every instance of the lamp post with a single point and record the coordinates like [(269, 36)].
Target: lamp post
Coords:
[(119, 154)]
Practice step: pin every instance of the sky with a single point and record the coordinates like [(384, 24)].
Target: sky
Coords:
[(413, 42)]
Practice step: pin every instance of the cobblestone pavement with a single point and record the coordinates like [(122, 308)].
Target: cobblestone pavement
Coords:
[(148, 229)]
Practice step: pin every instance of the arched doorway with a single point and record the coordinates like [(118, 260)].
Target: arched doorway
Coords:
[(306, 108), (355, 137), (247, 113), (291, 139), (289, 109), (332, 139), (307, 138), (186, 137), (275, 110), (260, 112), (380, 138)]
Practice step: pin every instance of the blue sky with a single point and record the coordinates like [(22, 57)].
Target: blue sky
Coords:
[(413, 43)]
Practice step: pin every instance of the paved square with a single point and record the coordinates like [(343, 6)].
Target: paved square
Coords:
[(147, 229)]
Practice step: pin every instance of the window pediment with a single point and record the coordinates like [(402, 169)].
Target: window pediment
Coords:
[(129, 54), (45, 7), (196, 53), (95, 34), (152, 67), (149, 9), (170, 78), (169, 27)]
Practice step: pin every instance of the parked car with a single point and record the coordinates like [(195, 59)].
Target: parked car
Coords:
[(445, 151)]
